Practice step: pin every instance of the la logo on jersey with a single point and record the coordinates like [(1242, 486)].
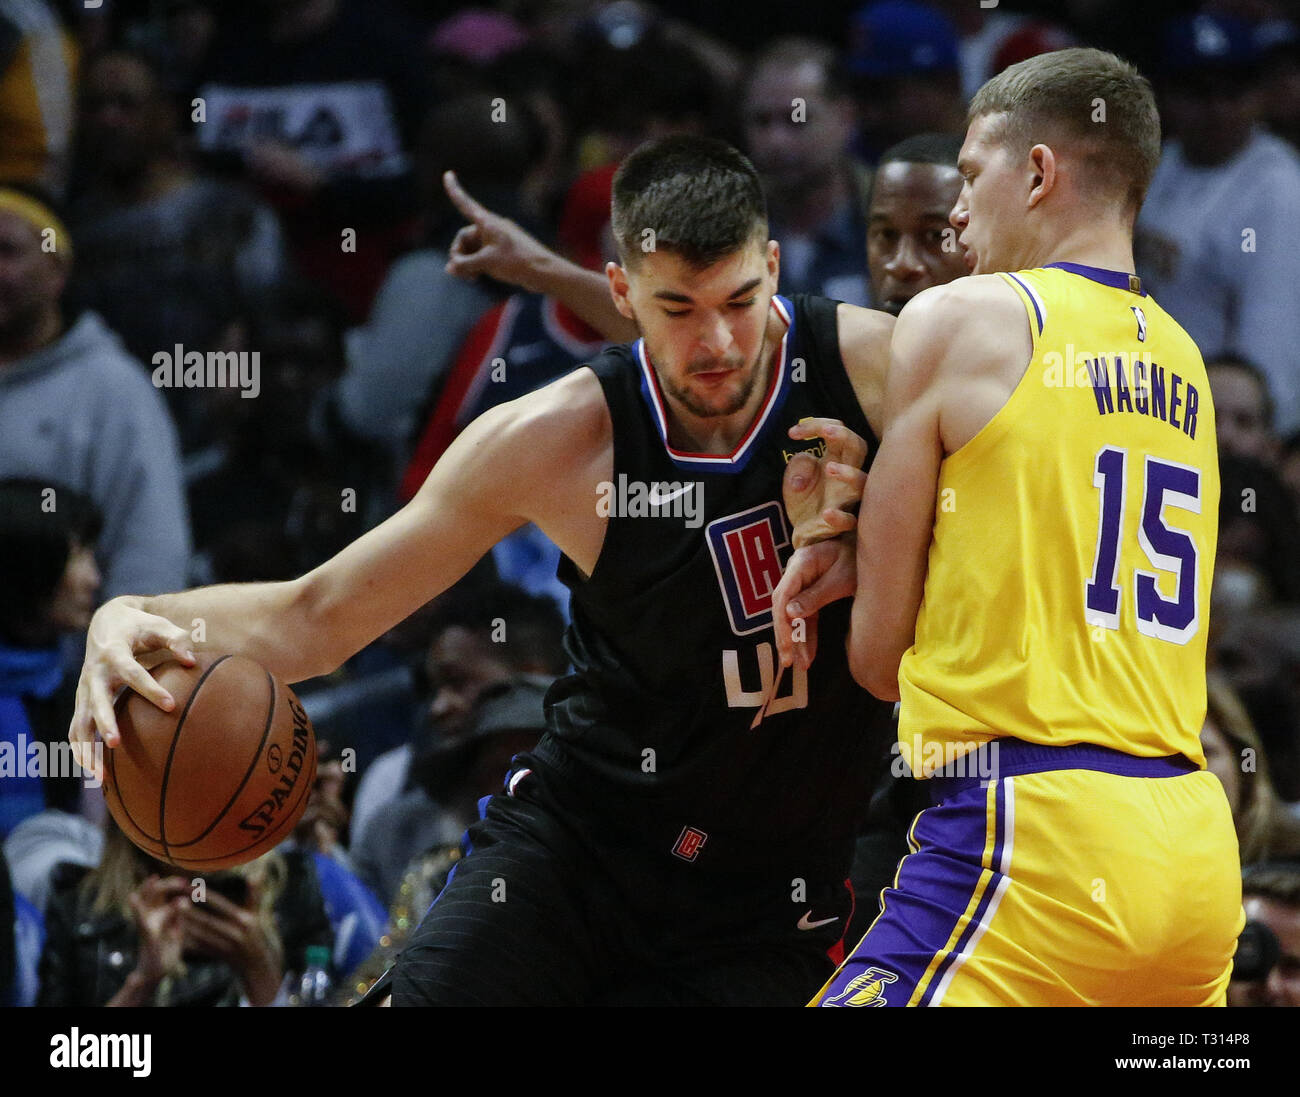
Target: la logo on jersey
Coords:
[(746, 549)]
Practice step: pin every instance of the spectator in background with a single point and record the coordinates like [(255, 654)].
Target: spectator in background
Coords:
[(357, 919), (1243, 408), (1289, 467), (179, 33), (422, 314), (319, 101), (906, 67), (76, 408), (163, 252), (482, 51), (798, 128), (128, 933), (478, 637), (1270, 895), (1258, 652), (48, 587), (991, 38), (636, 75), (527, 341), (1218, 239), (508, 718), (269, 500), (38, 76), (1280, 81), (910, 244), (1234, 754), (1258, 533)]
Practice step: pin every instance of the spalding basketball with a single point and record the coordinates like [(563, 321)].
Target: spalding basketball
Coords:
[(220, 779)]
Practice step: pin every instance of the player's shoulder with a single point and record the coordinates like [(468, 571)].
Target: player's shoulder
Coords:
[(864, 336), (962, 297), (567, 416), (965, 312), (862, 328)]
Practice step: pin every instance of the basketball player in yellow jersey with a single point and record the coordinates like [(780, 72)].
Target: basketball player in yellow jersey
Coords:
[(1033, 569)]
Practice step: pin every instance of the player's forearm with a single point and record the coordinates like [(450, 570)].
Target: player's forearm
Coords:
[(586, 292), (269, 622)]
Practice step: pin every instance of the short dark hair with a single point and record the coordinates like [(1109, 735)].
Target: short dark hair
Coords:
[(921, 148), (1057, 93), (924, 148), (36, 540), (700, 197), (1232, 360), (1274, 880), (534, 626)]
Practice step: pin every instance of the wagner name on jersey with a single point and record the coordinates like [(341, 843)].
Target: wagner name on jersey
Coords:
[(1068, 584)]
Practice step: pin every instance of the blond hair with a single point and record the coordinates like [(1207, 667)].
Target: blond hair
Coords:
[(123, 867), (1264, 827), (1086, 97)]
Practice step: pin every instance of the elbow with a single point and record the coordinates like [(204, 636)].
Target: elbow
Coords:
[(876, 672)]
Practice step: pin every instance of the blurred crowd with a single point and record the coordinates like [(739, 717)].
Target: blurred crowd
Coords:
[(239, 322)]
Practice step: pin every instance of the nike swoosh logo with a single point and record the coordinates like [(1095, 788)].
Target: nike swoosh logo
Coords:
[(805, 924), (657, 500)]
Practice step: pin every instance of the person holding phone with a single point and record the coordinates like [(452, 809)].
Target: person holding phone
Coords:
[(134, 931)]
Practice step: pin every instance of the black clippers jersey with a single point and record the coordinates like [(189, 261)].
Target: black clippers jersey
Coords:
[(678, 723)]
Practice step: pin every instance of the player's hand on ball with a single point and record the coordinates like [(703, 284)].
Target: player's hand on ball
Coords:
[(820, 495), (491, 244), (122, 643), (816, 575)]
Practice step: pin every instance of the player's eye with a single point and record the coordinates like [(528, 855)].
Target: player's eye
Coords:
[(742, 304), (679, 312)]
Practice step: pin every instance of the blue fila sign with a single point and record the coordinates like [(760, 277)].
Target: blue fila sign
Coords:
[(747, 555)]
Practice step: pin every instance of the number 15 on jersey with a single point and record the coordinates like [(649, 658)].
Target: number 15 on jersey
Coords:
[(1166, 485)]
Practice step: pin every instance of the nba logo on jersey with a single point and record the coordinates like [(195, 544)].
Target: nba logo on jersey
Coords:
[(746, 550)]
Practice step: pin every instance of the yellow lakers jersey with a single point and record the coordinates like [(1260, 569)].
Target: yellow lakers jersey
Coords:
[(1068, 590)]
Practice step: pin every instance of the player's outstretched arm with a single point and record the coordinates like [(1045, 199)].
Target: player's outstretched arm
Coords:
[(496, 246), (497, 475)]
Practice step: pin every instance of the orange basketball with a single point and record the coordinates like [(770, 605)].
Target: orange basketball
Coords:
[(220, 779)]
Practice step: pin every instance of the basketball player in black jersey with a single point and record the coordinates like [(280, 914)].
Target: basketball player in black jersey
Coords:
[(683, 831)]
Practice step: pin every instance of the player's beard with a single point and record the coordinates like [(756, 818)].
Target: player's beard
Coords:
[(691, 401)]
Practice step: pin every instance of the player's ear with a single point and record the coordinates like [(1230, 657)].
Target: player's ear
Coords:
[(773, 260), (619, 288), (1043, 164)]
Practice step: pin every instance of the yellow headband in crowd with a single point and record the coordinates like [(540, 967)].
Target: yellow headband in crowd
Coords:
[(37, 214)]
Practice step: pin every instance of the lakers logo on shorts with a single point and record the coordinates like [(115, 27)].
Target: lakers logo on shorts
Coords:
[(867, 989)]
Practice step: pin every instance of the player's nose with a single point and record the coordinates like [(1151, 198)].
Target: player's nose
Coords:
[(715, 336), (906, 260)]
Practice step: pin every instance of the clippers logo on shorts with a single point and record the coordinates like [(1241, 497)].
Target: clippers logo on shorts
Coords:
[(746, 549), (867, 989), (689, 843)]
